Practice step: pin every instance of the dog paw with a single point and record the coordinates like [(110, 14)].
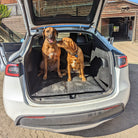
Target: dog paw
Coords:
[(69, 79), (44, 77), (39, 74), (84, 79), (60, 75), (80, 76), (64, 74)]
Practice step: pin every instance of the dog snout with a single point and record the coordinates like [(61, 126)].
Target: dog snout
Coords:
[(50, 35)]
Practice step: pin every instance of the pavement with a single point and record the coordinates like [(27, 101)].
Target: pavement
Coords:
[(124, 126)]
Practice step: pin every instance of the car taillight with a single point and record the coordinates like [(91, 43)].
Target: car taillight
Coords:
[(122, 61), (111, 107), (36, 117), (12, 70)]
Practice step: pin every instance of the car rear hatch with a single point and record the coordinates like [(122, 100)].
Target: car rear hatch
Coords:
[(58, 12), (46, 12)]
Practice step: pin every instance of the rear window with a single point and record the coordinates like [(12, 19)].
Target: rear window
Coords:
[(61, 35), (45, 12), (45, 8), (76, 37)]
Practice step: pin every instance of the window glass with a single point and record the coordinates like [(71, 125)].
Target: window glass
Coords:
[(44, 8)]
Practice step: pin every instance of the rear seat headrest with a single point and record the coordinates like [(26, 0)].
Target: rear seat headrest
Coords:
[(81, 39), (73, 36)]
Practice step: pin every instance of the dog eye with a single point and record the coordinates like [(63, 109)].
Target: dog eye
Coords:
[(47, 31)]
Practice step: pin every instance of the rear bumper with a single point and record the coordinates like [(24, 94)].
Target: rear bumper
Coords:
[(71, 122)]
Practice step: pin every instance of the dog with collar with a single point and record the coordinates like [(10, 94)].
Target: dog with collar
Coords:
[(75, 58)]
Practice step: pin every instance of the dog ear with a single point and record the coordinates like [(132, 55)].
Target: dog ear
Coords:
[(56, 33), (74, 46), (43, 34)]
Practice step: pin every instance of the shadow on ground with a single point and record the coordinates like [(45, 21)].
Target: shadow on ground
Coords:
[(128, 119)]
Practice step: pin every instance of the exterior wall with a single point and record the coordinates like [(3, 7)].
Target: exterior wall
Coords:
[(8, 1), (105, 27), (16, 24), (16, 11), (119, 7), (136, 29)]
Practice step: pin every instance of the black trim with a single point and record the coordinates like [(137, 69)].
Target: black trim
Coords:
[(99, 17), (69, 121), (25, 17)]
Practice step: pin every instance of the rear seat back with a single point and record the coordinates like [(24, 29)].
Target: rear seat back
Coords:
[(84, 44)]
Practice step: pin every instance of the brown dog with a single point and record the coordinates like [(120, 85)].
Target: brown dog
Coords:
[(75, 57), (51, 53)]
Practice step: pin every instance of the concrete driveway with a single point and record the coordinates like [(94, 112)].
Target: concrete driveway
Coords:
[(124, 126)]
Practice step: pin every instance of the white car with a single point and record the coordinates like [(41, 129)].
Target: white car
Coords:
[(56, 104)]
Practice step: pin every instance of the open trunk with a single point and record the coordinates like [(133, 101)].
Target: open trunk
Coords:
[(98, 64)]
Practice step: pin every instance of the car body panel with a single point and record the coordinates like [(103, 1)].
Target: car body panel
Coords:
[(6, 50)]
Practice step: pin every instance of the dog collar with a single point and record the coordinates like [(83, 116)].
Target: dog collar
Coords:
[(76, 55)]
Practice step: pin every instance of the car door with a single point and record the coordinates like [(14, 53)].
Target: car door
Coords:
[(6, 50)]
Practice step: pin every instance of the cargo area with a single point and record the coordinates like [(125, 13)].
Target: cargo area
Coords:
[(97, 71)]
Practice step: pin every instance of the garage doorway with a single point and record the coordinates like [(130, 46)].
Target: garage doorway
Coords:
[(120, 28)]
